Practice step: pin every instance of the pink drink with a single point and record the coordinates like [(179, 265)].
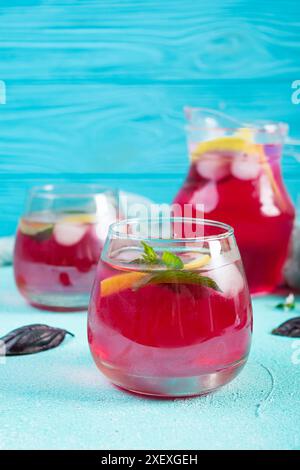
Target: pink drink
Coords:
[(170, 337), (55, 260), (250, 195)]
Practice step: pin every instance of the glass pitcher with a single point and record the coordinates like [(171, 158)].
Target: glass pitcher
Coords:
[(235, 174)]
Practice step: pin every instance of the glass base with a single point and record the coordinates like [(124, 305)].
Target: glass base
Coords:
[(58, 302), (172, 386)]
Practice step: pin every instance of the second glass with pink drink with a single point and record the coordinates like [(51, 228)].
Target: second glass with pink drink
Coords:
[(59, 241)]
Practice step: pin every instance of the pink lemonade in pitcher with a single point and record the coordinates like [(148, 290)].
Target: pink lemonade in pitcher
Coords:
[(239, 181), (165, 331), (55, 261)]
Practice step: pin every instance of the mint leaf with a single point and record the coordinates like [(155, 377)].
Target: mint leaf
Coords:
[(40, 233), (44, 234), (142, 261), (288, 304), (137, 261), (177, 277), (171, 260), (149, 255)]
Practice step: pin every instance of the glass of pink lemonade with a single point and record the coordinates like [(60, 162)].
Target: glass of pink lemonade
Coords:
[(170, 311), (59, 241), (235, 175)]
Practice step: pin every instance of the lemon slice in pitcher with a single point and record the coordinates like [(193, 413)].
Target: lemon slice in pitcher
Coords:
[(241, 142), (220, 144), (38, 230), (80, 218)]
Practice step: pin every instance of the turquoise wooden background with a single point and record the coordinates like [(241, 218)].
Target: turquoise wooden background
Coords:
[(95, 88)]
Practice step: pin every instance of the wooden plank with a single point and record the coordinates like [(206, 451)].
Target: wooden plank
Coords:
[(96, 88), (150, 40)]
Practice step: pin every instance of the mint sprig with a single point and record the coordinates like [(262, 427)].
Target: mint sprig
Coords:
[(177, 277), (174, 274), (171, 260), (149, 256), (288, 304), (168, 259)]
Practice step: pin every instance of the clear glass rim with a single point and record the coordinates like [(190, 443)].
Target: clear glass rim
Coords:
[(68, 190), (116, 233), (260, 126)]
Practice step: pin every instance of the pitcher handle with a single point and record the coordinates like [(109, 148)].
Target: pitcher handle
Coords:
[(292, 148)]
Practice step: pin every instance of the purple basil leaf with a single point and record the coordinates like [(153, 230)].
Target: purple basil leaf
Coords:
[(31, 339), (289, 328)]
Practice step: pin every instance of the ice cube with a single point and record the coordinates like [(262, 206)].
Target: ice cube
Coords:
[(245, 166), (68, 234), (207, 196), (213, 166), (270, 210), (229, 279), (267, 197)]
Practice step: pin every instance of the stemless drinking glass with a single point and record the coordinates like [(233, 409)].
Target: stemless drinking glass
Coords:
[(59, 241), (170, 311)]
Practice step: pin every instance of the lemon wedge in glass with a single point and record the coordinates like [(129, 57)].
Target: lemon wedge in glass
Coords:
[(120, 282)]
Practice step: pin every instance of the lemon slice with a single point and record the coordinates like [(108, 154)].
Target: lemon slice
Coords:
[(197, 263), (221, 144), (120, 282), (35, 229), (241, 141), (80, 218), (245, 133), (257, 149)]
